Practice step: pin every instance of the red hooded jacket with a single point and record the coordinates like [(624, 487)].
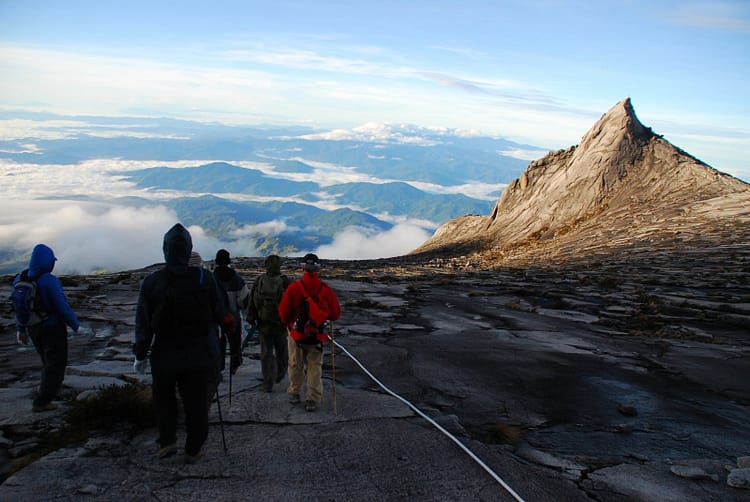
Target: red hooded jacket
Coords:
[(295, 294)]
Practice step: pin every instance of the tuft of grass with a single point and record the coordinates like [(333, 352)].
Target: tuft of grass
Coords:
[(131, 404), (501, 433)]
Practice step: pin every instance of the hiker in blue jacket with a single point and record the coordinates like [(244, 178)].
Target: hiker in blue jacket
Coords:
[(178, 309), (50, 337)]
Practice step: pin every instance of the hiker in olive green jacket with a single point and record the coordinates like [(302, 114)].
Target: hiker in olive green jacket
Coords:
[(263, 309)]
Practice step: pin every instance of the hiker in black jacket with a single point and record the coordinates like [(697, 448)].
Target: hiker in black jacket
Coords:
[(236, 297), (178, 309)]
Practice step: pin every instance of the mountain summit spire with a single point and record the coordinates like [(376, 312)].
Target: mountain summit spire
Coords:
[(621, 179)]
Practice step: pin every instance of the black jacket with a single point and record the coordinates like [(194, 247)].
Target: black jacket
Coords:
[(165, 353)]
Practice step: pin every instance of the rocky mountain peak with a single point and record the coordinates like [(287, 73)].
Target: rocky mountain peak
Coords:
[(621, 179), (618, 125)]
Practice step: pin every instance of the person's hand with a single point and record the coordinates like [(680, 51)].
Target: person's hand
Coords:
[(85, 331), (22, 337), (227, 325), (139, 366)]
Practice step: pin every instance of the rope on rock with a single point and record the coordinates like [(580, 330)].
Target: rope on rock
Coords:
[(435, 424)]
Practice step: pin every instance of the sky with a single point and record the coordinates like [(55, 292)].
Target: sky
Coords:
[(538, 72), (535, 71)]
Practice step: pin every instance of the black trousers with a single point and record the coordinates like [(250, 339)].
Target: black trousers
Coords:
[(193, 386), (51, 343)]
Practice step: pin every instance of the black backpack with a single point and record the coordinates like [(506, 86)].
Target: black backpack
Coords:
[(26, 303), (185, 311), (267, 294)]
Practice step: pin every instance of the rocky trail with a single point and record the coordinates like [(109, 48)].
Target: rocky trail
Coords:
[(599, 380)]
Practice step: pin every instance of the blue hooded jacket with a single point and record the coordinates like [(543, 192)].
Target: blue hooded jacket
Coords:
[(50, 289)]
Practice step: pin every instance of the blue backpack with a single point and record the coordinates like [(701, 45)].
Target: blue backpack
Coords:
[(26, 303)]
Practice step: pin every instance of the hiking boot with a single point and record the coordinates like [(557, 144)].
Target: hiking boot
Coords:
[(311, 406), (191, 459), (294, 399), (40, 407), (167, 451)]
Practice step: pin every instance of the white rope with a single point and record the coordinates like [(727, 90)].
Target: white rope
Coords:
[(437, 426)]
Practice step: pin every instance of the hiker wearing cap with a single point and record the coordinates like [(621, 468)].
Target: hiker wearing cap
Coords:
[(307, 305), (236, 297), (178, 309), (50, 335), (263, 309)]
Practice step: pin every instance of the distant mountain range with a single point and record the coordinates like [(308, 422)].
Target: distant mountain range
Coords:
[(305, 185)]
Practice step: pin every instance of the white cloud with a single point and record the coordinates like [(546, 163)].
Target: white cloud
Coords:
[(375, 132), (524, 154), (356, 243), (89, 237), (93, 178), (207, 245), (86, 84), (265, 228), (476, 190), (14, 129), (731, 16)]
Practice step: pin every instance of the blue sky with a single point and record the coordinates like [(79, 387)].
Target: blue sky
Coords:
[(538, 72)]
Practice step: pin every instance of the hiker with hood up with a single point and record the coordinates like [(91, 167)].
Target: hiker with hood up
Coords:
[(306, 352), (236, 296), (50, 337), (263, 309), (175, 323)]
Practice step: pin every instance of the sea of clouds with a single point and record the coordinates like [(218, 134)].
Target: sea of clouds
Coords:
[(80, 212), (70, 208)]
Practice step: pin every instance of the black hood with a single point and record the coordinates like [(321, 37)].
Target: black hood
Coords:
[(177, 246)]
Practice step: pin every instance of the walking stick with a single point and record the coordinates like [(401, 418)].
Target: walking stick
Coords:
[(221, 420), (333, 369), (230, 377)]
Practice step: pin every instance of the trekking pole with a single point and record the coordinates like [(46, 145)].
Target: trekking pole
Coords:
[(333, 369), (221, 420), (230, 377)]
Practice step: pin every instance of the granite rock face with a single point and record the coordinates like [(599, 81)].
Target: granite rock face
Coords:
[(622, 188), (618, 380)]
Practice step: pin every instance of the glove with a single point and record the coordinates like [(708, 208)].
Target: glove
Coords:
[(227, 325), (140, 366), (84, 331), (234, 363), (22, 337)]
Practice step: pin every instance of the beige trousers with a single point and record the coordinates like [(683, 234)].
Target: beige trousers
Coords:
[(305, 358)]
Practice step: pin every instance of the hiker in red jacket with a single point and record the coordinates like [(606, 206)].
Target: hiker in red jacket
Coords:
[(307, 306)]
